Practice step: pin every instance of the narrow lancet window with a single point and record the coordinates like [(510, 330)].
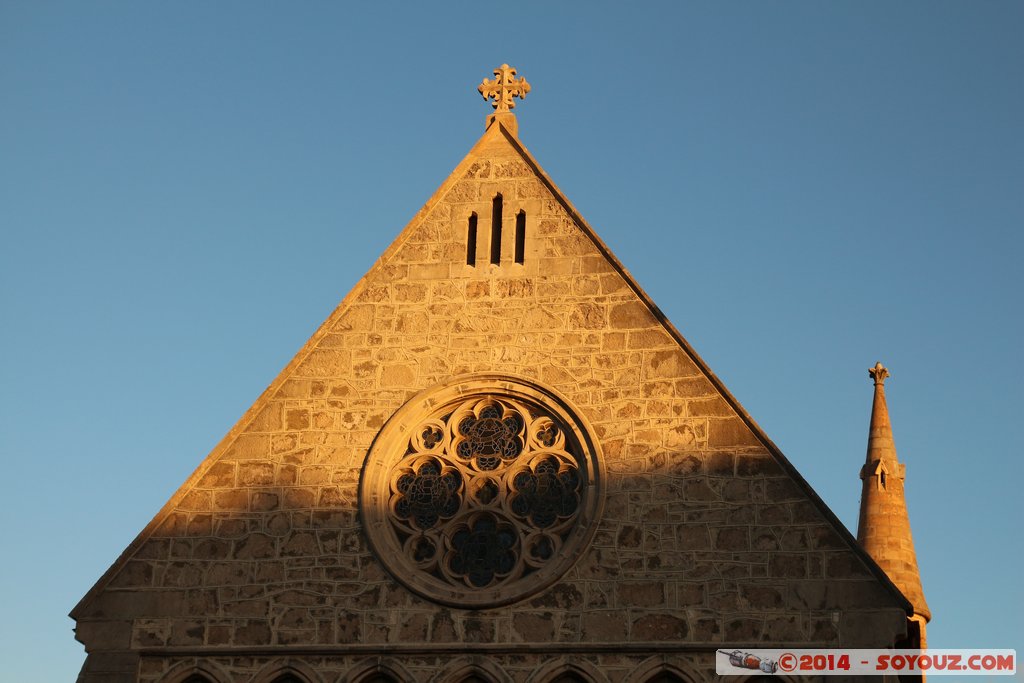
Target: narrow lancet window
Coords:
[(471, 241), (496, 229), (520, 236)]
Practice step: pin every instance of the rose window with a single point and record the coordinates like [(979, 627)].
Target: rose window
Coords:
[(481, 493)]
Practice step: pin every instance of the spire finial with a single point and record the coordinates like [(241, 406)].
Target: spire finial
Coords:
[(879, 373), (504, 88), (880, 442)]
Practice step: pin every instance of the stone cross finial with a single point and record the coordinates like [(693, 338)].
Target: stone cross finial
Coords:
[(878, 373), (504, 88)]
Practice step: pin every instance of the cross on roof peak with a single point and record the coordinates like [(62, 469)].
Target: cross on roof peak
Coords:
[(504, 88)]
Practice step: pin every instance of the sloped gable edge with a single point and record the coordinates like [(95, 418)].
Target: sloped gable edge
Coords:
[(250, 415), (717, 383)]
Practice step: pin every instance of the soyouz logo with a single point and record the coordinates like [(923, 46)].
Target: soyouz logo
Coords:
[(746, 660), (825, 662)]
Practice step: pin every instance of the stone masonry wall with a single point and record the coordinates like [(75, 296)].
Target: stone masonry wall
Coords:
[(441, 667), (704, 538)]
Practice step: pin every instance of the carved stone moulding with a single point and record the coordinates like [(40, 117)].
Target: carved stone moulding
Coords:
[(482, 491)]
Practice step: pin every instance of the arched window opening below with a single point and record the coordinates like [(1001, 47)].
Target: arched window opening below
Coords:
[(665, 677), (520, 236), (496, 206), (471, 241)]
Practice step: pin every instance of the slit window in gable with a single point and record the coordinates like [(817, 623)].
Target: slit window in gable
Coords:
[(520, 236), (471, 241), (496, 229)]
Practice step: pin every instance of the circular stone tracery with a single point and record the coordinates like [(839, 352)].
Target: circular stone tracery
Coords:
[(481, 492)]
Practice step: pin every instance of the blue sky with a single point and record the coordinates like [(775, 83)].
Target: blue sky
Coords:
[(188, 189)]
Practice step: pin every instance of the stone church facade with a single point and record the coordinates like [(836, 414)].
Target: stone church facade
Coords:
[(496, 461)]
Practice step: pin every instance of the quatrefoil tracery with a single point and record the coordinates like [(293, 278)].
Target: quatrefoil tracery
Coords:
[(486, 493), (483, 491)]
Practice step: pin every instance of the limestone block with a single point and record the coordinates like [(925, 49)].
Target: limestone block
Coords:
[(655, 627)]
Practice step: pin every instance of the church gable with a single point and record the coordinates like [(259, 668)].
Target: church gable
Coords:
[(697, 530)]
